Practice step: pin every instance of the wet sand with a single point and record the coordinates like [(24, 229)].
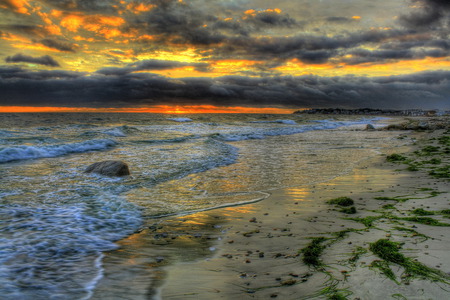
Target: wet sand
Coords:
[(253, 251)]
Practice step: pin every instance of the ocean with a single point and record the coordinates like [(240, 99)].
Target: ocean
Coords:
[(56, 222)]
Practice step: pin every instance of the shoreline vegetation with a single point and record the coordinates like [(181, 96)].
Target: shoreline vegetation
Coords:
[(380, 231)]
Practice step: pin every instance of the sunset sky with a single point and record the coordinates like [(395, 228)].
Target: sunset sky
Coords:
[(229, 55)]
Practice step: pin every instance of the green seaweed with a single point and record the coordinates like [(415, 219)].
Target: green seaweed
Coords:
[(357, 254), (396, 158), (399, 297), (425, 189), (337, 296), (422, 212), (430, 149), (443, 172), (341, 201), (386, 198), (313, 251), (444, 140), (425, 221), (433, 161), (349, 210), (412, 231), (389, 251), (367, 221), (383, 266), (388, 206), (412, 167)]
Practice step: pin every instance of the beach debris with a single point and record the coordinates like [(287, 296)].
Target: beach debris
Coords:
[(289, 282), (112, 168)]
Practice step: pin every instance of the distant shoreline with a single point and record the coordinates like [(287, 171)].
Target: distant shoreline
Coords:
[(371, 111)]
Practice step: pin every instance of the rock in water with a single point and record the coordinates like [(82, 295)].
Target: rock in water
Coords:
[(370, 127), (109, 168)]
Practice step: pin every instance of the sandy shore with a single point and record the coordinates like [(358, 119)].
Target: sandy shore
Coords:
[(254, 251)]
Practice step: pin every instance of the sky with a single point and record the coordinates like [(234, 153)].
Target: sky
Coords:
[(223, 56)]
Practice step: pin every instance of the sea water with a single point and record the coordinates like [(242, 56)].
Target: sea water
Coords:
[(56, 221)]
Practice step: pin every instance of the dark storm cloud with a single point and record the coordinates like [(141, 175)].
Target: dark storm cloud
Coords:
[(29, 30), (17, 73), (187, 23), (307, 48), (339, 20), (238, 37), (151, 65), (22, 87), (42, 60), (428, 14), (271, 18), (359, 56), (58, 45), (178, 23)]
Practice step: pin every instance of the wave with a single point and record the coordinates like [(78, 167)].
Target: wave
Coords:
[(261, 133), (57, 248), (196, 158), (180, 119), (32, 152), (121, 131), (286, 122), (7, 133), (169, 140)]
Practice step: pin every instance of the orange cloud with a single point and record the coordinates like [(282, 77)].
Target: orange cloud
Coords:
[(101, 25), (139, 7), (15, 38), (252, 12), (297, 68), (53, 29), (80, 38), (226, 67), (72, 22), (18, 6), (38, 47)]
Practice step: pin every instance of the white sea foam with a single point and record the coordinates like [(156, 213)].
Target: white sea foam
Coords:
[(286, 122), (180, 119), (261, 133), (33, 152), (64, 240), (117, 132)]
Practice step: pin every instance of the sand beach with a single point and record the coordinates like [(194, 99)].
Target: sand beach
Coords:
[(257, 251)]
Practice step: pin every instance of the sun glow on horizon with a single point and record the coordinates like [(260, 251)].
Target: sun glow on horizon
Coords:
[(161, 109)]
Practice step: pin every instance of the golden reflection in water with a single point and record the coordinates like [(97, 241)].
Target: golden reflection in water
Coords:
[(299, 193), (233, 210)]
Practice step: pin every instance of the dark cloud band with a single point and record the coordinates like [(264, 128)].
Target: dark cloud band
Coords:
[(43, 60), (60, 88)]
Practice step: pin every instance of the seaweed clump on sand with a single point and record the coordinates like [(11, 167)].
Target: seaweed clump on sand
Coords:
[(341, 201), (313, 251), (389, 252), (396, 158), (346, 204)]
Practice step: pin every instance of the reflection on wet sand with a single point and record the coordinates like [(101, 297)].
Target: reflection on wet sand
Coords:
[(143, 256)]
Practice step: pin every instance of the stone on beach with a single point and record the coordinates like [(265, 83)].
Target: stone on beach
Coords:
[(370, 127), (109, 168)]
